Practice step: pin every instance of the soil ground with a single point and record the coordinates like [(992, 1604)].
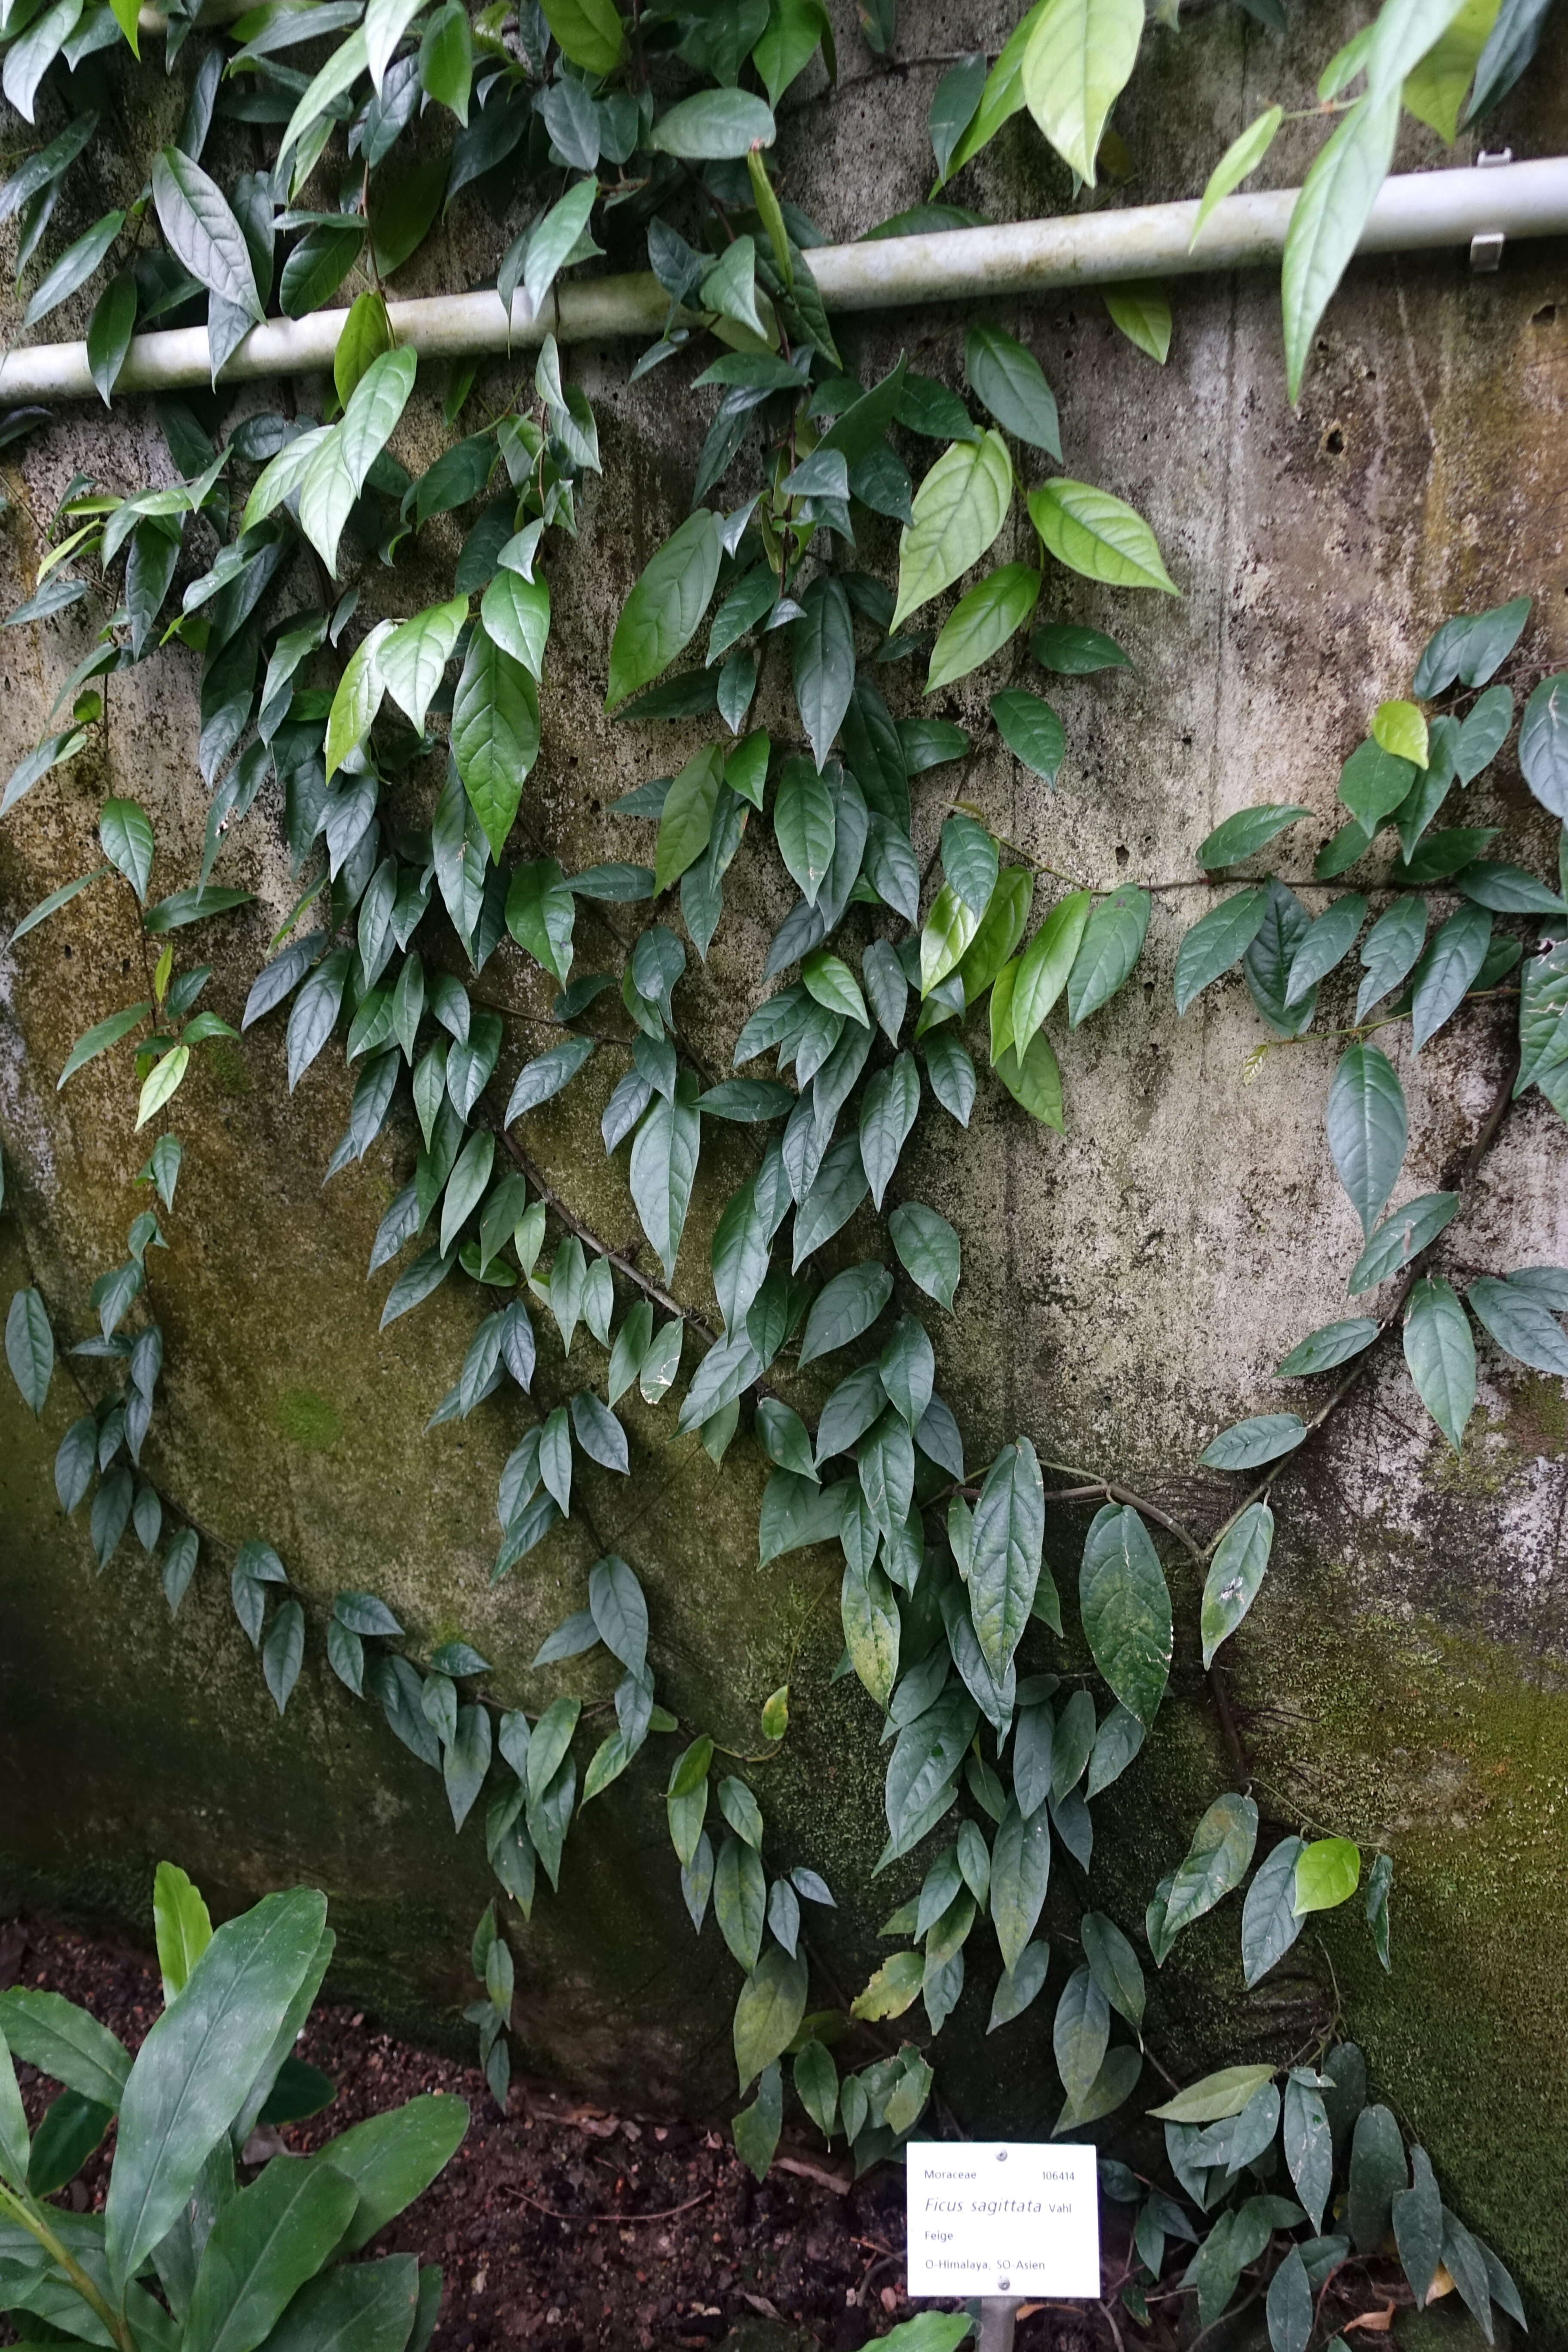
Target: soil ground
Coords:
[(559, 2224)]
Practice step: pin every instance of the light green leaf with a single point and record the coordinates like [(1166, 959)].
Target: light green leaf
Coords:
[(982, 621), (1330, 213), (958, 510), (1143, 313), (1092, 533), (495, 734), (182, 1924), (1327, 1873), (1079, 60), (1241, 157), (412, 659), (1215, 2097)]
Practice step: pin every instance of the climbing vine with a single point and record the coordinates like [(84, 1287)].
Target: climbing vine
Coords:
[(400, 755)]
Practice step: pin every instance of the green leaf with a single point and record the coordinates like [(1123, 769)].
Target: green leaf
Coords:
[(1543, 745), (1378, 2173), (30, 1348), (1327, 1873), (769, 2012), (1217, 2095), (928, 1249), (1368, 1129), (356, 699), (516, 613), (412, 660), (1031, 730), (870, 1619), (65, 2043), (361, 2308), (447, 59), (1010, 382), (394, 2157), (264, 2245), (664, 1167), (1126, 1611), (949, 933), (661, 615), (1092, 533), (1217, 940), (1321, 1350), (740, 1900), (1247, 1444), (713, 126), (982, 621), (1240, 158), (686, 821), (843, 1308), (805, 825), (1235, 1574), (1441, 1355), (1079, 60), (182, 1924), (1216, 1862), (201, 232), (1143, 313), (14, 2153), (830, 981), (590, 32), (193, 2070), (1113, 941), (73, 268), (1004, 1561), (1074, 652), (1269, 1925), (1330, 213), (958, 510), (495, 734), (888, 1111), (339, 73), (335, 474), (108, 332), (1521, 1324), (1248, 831), (824, 663)]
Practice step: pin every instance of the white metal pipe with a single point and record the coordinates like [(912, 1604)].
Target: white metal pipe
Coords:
[(1415, 210)]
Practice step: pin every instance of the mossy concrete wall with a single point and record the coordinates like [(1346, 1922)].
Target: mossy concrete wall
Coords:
[(1128, 1288)]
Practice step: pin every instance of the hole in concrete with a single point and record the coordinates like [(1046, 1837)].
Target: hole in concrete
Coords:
[(1333, 441), (1123, 853), (1544, 316)]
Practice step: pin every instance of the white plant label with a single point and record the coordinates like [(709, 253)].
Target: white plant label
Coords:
[(991, 2217)]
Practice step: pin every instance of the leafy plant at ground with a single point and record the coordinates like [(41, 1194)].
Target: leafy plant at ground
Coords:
[(186, 2256), (401, 753)]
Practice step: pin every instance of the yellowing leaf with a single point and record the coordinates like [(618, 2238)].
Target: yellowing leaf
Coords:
[(1401, 731)]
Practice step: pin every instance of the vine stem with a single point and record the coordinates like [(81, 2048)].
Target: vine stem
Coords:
[(24, 2211)]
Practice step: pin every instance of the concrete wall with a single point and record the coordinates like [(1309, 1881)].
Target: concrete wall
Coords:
[(1127, 1289)]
